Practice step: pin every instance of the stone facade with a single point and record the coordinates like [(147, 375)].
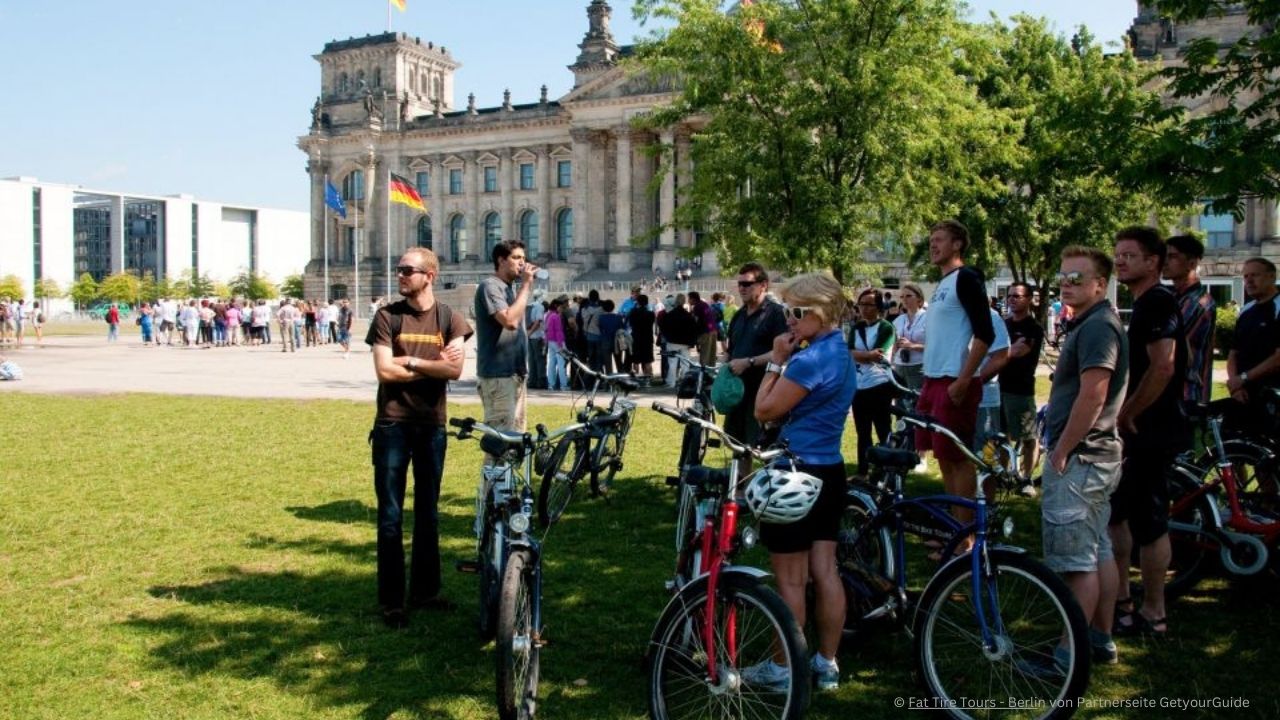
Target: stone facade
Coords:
[(1229, 243), (569, 176)]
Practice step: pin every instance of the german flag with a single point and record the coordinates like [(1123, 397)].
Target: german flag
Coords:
[(403, 192)]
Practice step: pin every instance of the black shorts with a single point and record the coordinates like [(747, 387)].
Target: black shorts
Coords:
[(1142, 496), (822, 522)]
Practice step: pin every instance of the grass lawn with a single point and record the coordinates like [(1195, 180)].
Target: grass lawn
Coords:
[(173, 557)]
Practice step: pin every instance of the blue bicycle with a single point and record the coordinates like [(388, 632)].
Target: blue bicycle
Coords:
[(997, 634)]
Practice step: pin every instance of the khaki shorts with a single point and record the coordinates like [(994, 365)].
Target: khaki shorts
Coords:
[(1019, 416), (503, 399), (1076, 507)]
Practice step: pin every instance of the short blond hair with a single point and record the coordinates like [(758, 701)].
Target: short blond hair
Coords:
[(820, 291), (429, 259)]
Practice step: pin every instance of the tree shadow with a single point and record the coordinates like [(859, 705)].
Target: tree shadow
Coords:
[(348, 512)]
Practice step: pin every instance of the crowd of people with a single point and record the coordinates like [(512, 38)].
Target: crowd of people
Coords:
[(809, 359), (16, 316), (213, 323)]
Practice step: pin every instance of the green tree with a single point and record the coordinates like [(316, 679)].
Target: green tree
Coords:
[(121, 287), (84, 290), (11, 287), (1078, 119), (252, 286), (823, 126), (190, 284), (1231, 151), (148, 288), (48, 289), (292, 287)]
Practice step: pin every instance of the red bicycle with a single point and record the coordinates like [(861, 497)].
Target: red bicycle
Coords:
[(726, 645)]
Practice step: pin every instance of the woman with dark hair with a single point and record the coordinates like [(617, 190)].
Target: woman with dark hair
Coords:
[(641, 322), (871, 345)]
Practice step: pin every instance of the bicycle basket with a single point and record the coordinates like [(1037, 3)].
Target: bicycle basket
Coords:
[(687, 386)]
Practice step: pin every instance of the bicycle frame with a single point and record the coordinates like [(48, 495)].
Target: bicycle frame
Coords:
[(1224, 477)]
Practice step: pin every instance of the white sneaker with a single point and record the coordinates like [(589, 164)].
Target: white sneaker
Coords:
[(768, 675), (826, 674)]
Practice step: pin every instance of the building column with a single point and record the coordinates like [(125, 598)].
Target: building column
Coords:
[(506, 186), (439, 230), (664, 258), (621, 257), (684, 178), (581, 154), (116, 239), (542, 178), (472, 182)]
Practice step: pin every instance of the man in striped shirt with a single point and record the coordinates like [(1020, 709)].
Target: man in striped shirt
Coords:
[(1199, 314)]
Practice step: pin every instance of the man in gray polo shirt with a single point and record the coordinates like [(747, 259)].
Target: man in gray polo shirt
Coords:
[(1083, 465), (501, 363)]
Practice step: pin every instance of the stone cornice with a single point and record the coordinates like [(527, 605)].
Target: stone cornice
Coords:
[(625, 100)]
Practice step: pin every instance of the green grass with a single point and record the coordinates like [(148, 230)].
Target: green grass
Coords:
[(212, 558)]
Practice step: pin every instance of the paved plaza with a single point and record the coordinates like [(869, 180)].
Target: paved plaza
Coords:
[(87, 365)]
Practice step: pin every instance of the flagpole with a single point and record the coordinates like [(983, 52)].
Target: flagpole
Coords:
[(387, 259), (388, 15), (325, 210)]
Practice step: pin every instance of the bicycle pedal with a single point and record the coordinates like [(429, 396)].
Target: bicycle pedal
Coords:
[(471, 567)]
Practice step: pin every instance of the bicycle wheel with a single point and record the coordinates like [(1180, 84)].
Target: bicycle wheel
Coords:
[(865, 562), (688, 552), (563, 471), (489, 585), (517, 641), (607, 461), (747, 613), (1029, 611), (1191, 552)]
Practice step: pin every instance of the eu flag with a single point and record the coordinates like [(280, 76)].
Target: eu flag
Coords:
[(333, 199)]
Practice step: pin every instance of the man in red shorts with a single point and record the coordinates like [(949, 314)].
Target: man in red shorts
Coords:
[(958, 332)]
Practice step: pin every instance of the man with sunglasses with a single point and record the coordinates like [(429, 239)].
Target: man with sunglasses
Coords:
[(501, 356), (960, 334), (417, 349), (1082, 467), (750, 334), (1152, 425)]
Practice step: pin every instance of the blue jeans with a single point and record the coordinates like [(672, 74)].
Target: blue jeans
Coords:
[(113, 332), (395, 444)]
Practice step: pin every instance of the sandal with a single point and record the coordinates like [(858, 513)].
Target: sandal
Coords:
[(1141, 626), (1124, 622)]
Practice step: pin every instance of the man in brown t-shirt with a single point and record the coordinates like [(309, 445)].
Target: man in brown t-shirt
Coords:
[(417, 350)]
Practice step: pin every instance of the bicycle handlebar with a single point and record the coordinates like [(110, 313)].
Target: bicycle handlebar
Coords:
[(612, 379), (739, 449), (932, 425), (468, 425), (893, 380), (684, 360)]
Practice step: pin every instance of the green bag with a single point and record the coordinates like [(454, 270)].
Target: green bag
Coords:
[(727, 390)]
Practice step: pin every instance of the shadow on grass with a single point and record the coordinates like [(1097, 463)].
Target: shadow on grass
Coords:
[(303, 633), (348, 512)]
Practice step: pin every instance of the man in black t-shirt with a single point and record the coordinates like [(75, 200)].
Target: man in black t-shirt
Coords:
[(417, 350), (751, 334), (1152, 425), (1253, 365), (1018, 378)]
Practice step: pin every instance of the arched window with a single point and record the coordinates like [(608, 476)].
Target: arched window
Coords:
[(564, 233), (424, 232), (529, 233), (438, 87), (422, 83), (359, 78), (492, 232), (342, 83), (353, 186), (377, 77), (457, 225)]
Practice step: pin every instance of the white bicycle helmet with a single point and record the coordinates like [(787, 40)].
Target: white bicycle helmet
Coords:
[(781, 495)]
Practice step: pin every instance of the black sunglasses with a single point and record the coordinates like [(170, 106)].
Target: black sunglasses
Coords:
[(747, 283), (408, 270)]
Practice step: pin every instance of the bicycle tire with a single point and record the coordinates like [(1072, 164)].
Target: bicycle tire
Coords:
[(518, 653), (489, 587), (676, 663), (1189, 559), (559, 481), (688, 552), (606, 461), (1257, 474), (1027, 661)]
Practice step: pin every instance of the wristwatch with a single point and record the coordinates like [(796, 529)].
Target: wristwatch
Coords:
[(774, 367), (751, 361), (413, 363), (1244, 376)]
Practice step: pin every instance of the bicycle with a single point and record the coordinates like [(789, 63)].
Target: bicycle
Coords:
[(694, 385), (994, 629), (1242, 533), (509, 563), (724, 621), (595, 444)]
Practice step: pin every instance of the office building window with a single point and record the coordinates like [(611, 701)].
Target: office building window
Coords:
[(529, 232), (1219, 230), (37, 237), (353, 186), (564, 174), (424, 231), (492, 232), (491, 179), (526, 176), (457, 226), (564, 234), (423, 181), (455, 181)]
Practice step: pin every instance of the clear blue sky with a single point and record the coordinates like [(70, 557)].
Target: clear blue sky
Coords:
[(208, 98)]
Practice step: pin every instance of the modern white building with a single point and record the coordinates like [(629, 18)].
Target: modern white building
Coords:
[(59, 231)]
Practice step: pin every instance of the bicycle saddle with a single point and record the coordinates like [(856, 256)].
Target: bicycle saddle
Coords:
[(706, 478), (892, 458), (498, 447)]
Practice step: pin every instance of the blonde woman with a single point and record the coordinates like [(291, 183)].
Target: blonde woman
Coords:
[(809, 385), (909, 329)]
